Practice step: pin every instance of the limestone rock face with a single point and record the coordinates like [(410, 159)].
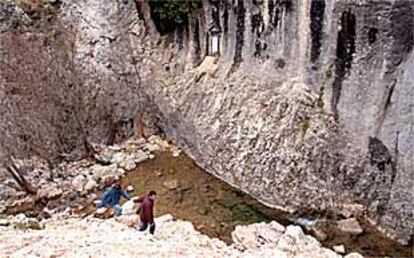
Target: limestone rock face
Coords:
[(308, 105)]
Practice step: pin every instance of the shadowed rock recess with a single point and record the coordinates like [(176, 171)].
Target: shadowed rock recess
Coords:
[(308, 104)]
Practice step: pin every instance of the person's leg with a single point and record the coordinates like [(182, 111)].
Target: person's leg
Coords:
[(118, 209), (143, 226), (152, 228)]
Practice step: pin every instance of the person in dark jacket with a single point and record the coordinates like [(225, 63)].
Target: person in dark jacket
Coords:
[(112, 196), (146, 211)]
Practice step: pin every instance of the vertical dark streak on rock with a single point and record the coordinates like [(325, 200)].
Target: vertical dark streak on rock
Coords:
[(316, 25), (274, 12), (239, 32), (197, 47), (345, 49), (225, 17), (388, 101), (372, 35), (181, 31)]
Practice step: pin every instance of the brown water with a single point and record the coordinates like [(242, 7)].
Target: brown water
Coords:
[(215, 208)]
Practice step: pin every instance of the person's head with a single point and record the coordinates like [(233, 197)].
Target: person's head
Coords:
[(116, 183), (152, 195)]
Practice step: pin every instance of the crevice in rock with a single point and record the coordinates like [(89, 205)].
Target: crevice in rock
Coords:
[(239, 32), (372, 35), (316, 26), (197, 45), (389, 97), (345, 50), (225, 17), (274, 13), (379, 154)]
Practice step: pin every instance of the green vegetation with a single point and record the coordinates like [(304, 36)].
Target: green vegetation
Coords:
[(174, 11), (304, 126)]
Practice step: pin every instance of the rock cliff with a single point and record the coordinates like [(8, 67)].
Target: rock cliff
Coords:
[(306, 102)]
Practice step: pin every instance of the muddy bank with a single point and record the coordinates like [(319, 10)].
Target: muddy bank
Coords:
[(215, 208)]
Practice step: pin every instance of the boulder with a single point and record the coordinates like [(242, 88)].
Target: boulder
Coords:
[(131, 220), (128, 163), (340, 249), (7, 191), (3, 208), (91, 185), (353, 255), (350, 226), (130, 208), (352, 209), (105, 156), (99, 171), (295, 232), (20, 221), (49, 192), (255, 235), (118, 157), (175, 152), (78, 183), (4, 222)]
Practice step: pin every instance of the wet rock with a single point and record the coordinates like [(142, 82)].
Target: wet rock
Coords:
[(350, 226), (340, 249), (91, 185), (171, 184)]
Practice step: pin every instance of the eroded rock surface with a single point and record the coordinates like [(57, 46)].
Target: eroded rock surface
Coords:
[(93, 237)]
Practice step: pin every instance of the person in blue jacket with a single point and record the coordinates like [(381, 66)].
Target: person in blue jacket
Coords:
[(112, 196)]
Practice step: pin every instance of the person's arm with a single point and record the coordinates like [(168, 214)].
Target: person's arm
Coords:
[(151, 214), (104, 199), (139, 200), (125, 194)]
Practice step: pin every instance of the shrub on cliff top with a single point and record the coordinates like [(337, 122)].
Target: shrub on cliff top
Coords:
[(168, 14)]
